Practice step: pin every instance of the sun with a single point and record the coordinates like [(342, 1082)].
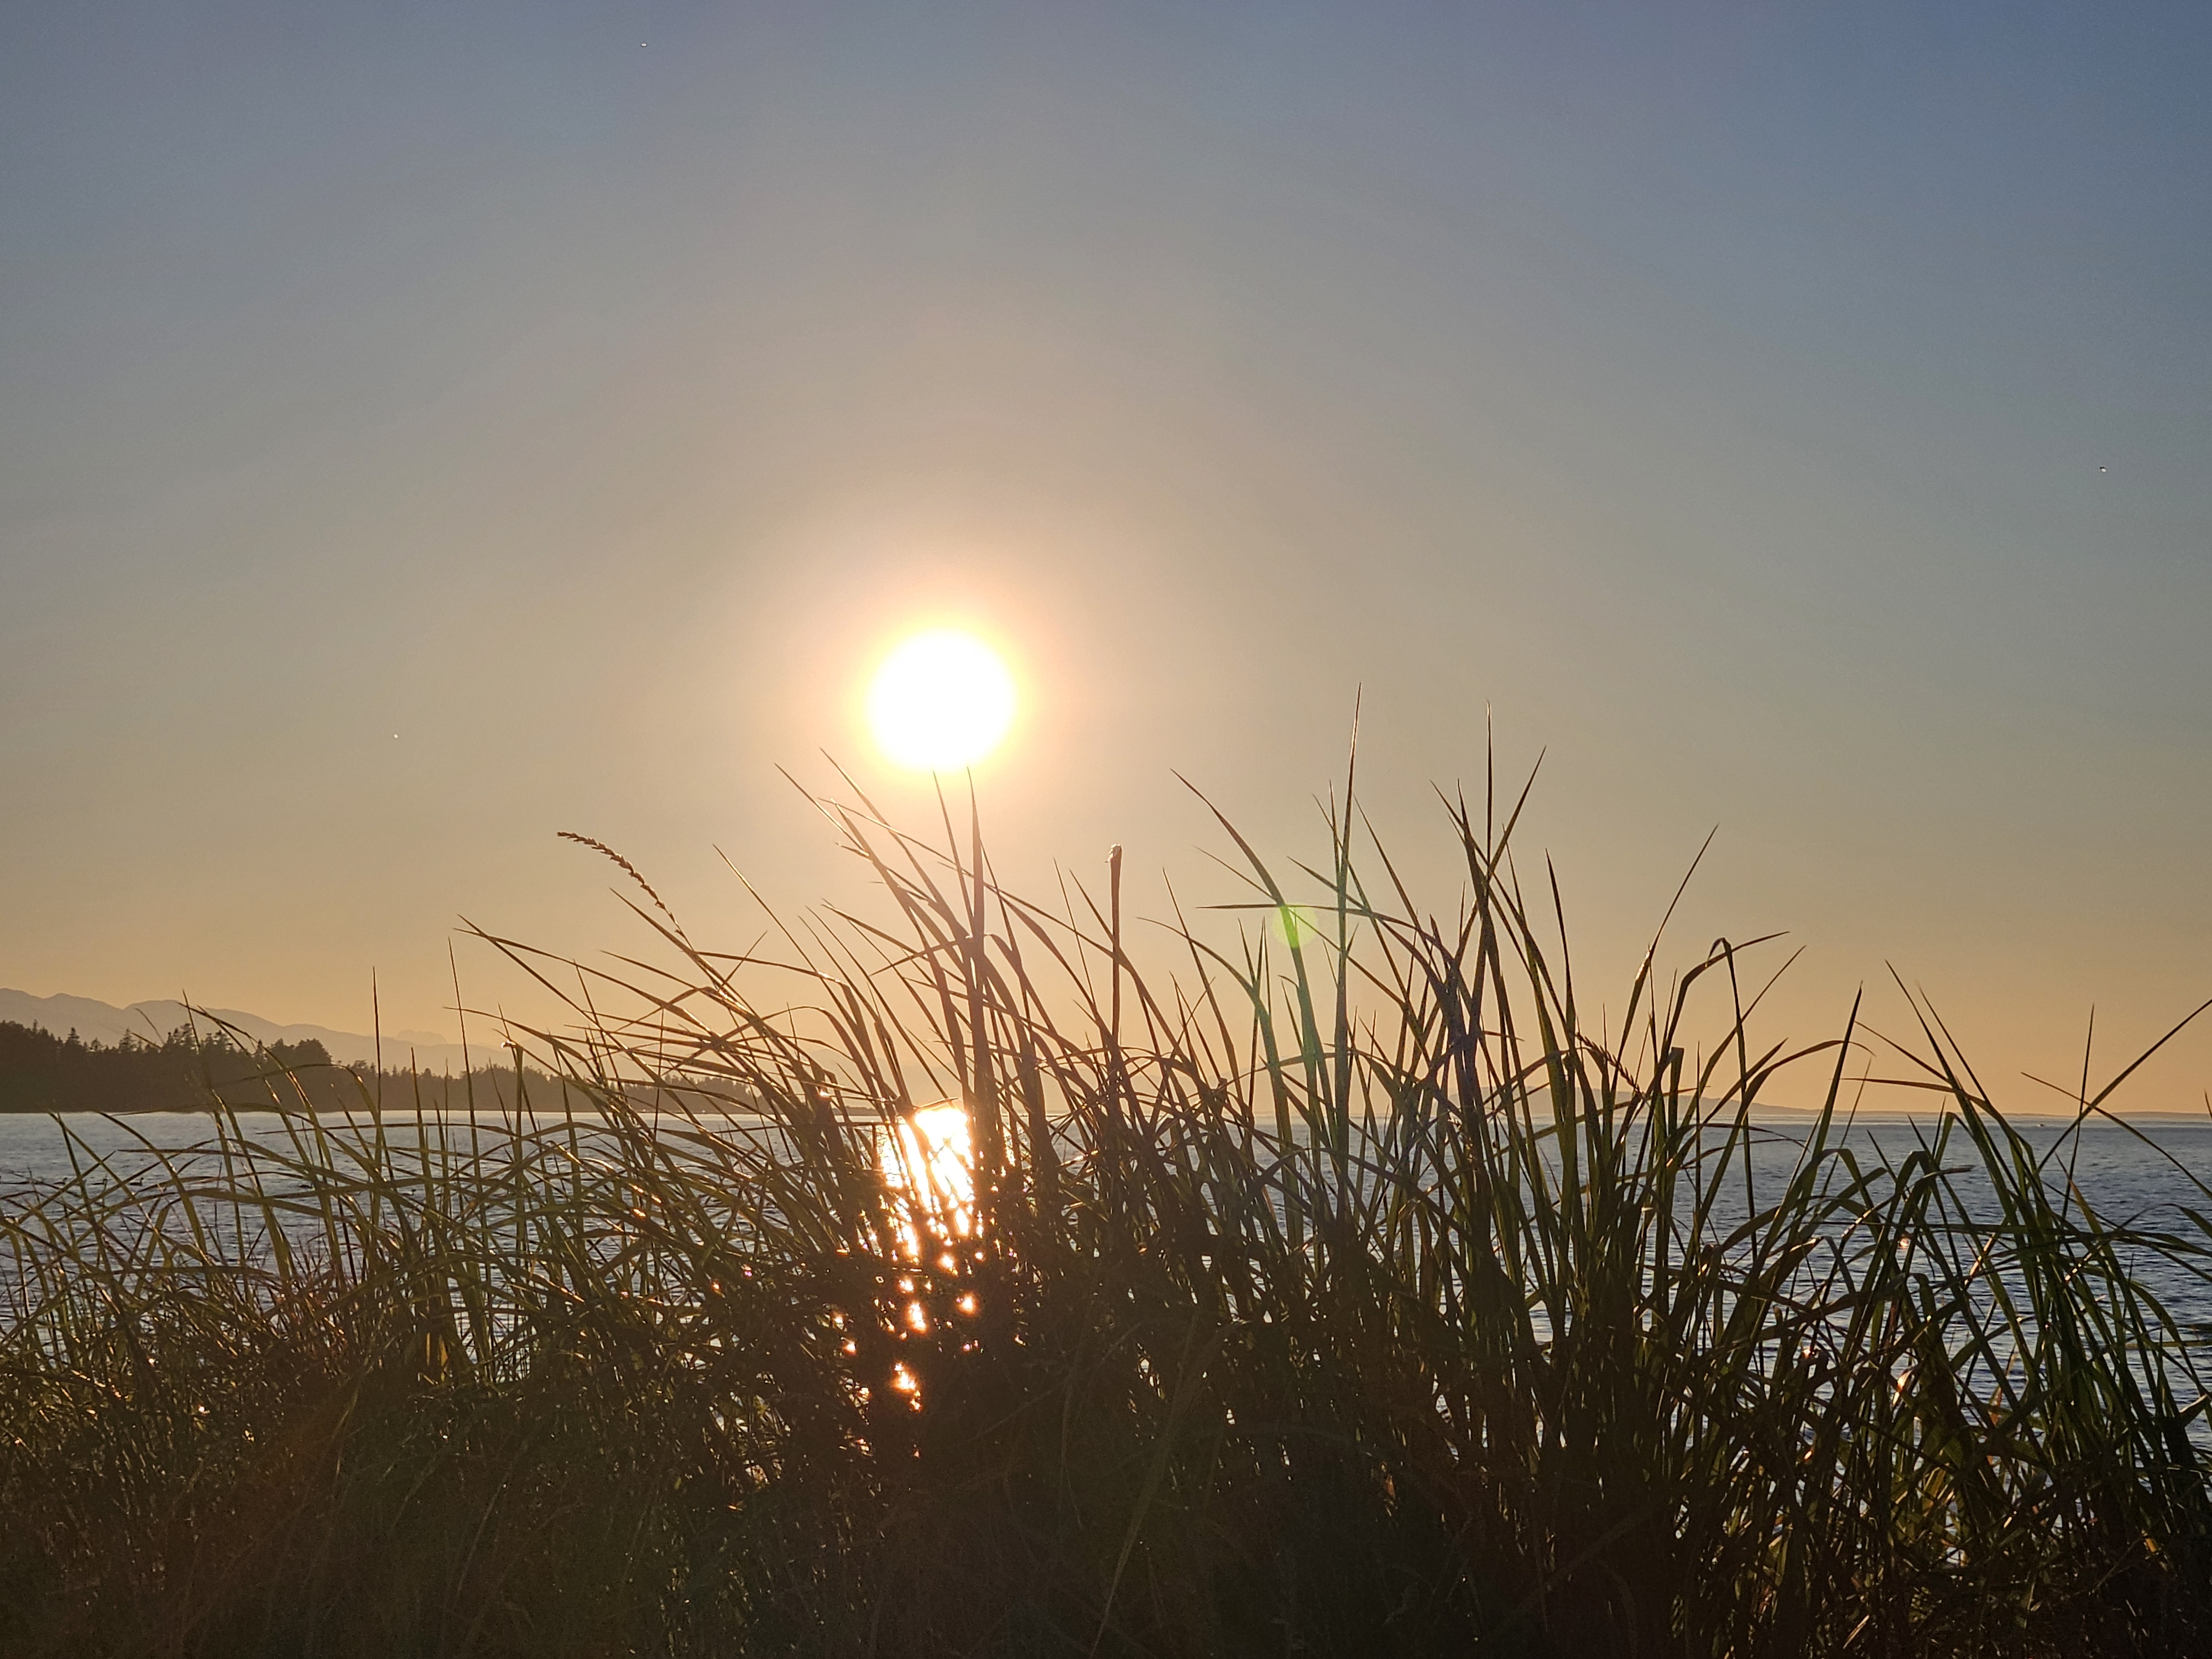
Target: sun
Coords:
[(940, 701)]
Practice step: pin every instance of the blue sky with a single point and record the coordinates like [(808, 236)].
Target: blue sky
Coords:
[(1794, 419)]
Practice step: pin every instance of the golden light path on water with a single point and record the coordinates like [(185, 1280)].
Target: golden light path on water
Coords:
[(928, 1162), (930, 1159)]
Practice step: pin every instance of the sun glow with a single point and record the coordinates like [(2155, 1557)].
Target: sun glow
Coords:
[(940, 701)]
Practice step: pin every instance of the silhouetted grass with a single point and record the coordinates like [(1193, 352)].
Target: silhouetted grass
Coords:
[(1343, 1292)]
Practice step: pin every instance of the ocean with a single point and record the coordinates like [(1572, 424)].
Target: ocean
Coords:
[(2142, 1174)]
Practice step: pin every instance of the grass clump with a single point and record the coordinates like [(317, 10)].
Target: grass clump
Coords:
[(1344, 1292)]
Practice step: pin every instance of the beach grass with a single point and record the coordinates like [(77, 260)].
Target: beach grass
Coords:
[(1341, 1288)]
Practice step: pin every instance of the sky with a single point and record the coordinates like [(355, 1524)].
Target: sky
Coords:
[(424, 429)]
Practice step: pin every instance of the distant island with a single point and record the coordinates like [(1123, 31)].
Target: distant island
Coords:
[(190, 1069), (150, 1019)]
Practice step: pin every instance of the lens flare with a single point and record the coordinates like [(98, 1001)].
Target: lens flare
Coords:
[(940, 701)]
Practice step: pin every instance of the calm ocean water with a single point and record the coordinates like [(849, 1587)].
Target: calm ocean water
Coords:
[(2143, 1175)]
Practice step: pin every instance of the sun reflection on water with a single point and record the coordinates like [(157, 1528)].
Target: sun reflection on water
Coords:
[(927, 1162)]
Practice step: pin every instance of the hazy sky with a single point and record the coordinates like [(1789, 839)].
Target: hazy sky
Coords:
[(1795, 419)]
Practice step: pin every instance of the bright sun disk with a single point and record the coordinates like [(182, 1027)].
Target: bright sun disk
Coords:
[(940, 701)]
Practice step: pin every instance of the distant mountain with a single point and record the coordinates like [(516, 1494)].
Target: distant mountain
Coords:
[(155, 1020)]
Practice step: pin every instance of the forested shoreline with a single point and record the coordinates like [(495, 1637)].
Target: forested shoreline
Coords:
[(191, 1069)]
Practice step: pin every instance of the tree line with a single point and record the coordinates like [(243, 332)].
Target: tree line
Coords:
[(190, 1069)]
